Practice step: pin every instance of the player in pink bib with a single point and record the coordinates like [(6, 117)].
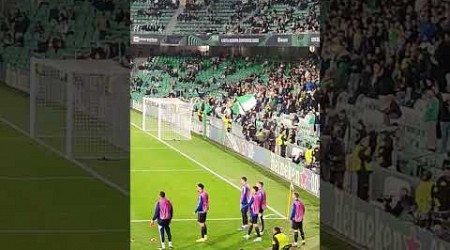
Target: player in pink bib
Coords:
[(201, 211), (297, 216)]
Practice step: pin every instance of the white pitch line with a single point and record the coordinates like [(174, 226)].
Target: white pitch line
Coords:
[(216, 219), (77, 163), (147, 148), (201, 165), (167, 170), (44, 178), (61, 231)]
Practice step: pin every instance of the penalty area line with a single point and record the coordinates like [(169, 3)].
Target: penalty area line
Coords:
[(202, 166)]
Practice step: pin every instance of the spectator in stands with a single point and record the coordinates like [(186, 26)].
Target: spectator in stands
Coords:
[(334, 159), (227, 123), (431, 117), (363, 167), (102, 26), (309, 156), (400, 204), (298, 157), (442, 189), (282, 142), (391, 109), (444, 123), (423, 195), (55, 44), (384, 148), (8, 40)]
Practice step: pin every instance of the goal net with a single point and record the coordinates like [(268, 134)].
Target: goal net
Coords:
[(167, 118), (79, 108)]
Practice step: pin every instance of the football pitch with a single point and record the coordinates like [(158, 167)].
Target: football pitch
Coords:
[(49, 202), (176, 167)]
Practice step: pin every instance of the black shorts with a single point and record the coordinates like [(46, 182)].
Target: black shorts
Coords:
[(164, 223), (201, 217), (261, 211), (297, 225), (254, 219)]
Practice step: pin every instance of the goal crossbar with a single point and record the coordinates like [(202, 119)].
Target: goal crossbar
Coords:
[(167, 118)]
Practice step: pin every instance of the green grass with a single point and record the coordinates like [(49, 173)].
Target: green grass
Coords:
[(38, 212), (15, 106), (78, 203), (165, 169)]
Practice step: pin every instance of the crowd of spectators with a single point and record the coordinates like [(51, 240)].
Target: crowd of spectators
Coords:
[(153, 10), (397, 53), (285, 92), (57, 31), (286, 20), (13, 27), (242, 16)]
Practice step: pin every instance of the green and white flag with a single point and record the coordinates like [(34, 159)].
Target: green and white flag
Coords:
[(243, 104)]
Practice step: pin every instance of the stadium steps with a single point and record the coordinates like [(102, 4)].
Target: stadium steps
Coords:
[(246, 18), (173, 21)]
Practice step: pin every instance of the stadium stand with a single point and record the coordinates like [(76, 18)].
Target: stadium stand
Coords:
[(397, 64), (211, 17), (225, 16), (284, 17), (150, 16), (64, 29), (285, 93)]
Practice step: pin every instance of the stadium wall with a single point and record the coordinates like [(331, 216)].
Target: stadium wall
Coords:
[(296, 174), (287, 53), (263, 40), (370, 227)]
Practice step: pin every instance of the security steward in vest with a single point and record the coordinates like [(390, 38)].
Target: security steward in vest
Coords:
[(281, 141), (227, 121), (280, 240)]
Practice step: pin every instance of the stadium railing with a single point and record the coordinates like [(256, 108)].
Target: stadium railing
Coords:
[(404, 170), (411, 125)]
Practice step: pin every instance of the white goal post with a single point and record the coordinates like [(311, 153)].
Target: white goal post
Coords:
[(80, 107), (167, 118)]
